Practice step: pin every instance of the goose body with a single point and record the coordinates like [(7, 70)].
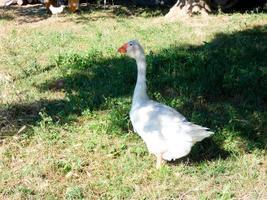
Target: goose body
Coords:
[(166, 133)]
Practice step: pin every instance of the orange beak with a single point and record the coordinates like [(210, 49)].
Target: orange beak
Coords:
[(123, 48)]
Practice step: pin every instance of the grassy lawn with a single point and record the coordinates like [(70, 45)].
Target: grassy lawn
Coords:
[(65, 94)]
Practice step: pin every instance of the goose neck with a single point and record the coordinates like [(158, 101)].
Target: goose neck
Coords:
[(140, 93), (141, 64)]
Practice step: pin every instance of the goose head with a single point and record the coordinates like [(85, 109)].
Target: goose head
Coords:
[(132, 49)]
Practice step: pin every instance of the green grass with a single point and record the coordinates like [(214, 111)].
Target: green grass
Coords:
[(66, 94)]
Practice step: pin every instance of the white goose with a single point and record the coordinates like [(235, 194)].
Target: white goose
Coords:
[(165, 131)]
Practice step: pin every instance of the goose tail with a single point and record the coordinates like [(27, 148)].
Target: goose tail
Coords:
[(198, 133)]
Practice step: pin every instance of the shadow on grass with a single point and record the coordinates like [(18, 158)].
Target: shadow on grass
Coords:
[(93, 12), (126, 11), (6, 17), (221, 84), (24, 14), (38, 12)]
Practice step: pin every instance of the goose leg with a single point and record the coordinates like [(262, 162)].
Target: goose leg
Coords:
[(159, 160)]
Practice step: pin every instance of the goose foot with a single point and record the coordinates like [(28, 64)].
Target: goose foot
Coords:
[(159, 161)]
